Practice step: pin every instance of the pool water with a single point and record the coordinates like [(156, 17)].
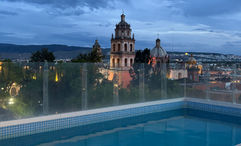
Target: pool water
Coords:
[(174, 128)]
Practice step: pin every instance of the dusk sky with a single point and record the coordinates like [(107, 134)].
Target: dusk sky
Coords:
[(183, 25)]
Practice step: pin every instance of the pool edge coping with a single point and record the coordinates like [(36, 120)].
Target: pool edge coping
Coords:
[(213, 102), (86, 112)]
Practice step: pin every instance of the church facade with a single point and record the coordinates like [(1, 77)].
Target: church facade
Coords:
[(122, 53)]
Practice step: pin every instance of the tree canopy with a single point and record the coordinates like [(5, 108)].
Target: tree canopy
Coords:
[(42, 55), (93, 56), (143, 56)]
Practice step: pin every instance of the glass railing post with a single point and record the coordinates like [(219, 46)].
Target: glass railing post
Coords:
[(234, 84), (84, 99), (207, 85), (142, 83), (115, 90), (45, 89), (163, 80), (185, 87)]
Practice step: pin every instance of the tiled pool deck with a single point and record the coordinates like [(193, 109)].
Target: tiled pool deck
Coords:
[(11, 129)]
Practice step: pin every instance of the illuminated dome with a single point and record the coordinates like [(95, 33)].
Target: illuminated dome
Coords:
[(158, 51), (192, 60)]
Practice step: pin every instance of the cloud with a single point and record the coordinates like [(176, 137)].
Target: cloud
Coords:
[(64, 4), (192, 25), (75, 38), (3, 34), (3, 12), (203, 8), (70, 7)]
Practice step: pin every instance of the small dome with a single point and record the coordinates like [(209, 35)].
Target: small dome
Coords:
[(158, 51), (192, 60), (96, 45)]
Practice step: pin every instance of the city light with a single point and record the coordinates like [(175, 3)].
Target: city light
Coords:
[(236, 81), (26, 67), (11, 101), (56, 77), (34, 77)]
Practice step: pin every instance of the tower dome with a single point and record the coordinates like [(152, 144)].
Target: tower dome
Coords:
[(158, 51), (123, 29)]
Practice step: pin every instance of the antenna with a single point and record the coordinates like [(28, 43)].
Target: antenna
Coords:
[(122, 11), (158, 36)]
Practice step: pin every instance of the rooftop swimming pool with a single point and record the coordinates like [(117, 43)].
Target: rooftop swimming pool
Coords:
[(176, 127)]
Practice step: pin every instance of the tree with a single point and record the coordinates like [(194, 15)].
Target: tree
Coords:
[(41, 56), (81, 58), (143, 56), (93, 57), (6, 60)]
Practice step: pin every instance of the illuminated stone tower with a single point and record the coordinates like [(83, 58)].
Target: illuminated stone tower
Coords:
[(122, 46)]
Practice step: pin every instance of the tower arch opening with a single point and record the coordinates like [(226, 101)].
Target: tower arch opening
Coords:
[(131, 62), (126, 62), (113, 62), (125, 47), (119, 47), (118, 62), (114, 47)]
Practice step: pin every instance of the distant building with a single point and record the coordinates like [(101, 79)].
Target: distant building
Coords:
[(158, 54), (177, 74), (97, 48), (193, 69), (122, 54)]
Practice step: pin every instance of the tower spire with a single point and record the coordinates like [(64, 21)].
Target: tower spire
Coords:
[(123, 17)]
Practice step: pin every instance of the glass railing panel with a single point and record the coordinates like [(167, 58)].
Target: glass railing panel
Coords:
[(197, 80), (176, 75), (100, 86), (156, 82), (132, 84), (35, 89), (21, 90), (237, 91), (220, 82), (64, 87)]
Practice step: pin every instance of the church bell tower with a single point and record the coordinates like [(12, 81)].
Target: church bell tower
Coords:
[(122, 46)]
